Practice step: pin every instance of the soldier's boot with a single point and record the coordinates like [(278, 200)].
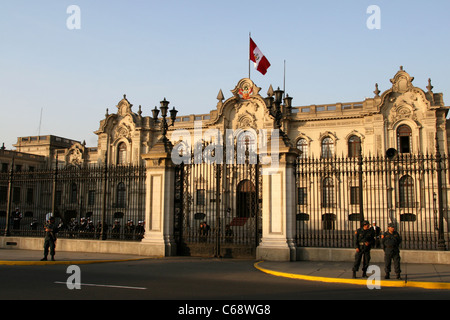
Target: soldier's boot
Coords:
[(364, 275), (354, 275), (53, 258), (398, 276), (44, 258), (387, 276)]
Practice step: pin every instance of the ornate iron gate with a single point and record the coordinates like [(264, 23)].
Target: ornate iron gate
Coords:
[(217, 209)]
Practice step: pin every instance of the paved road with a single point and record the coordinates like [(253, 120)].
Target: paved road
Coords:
[(182, 279)]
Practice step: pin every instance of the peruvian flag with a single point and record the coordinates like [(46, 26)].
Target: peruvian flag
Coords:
[(261, 62)]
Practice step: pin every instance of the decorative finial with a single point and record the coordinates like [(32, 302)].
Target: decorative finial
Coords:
[(429, 87), (107, 113), (377, 92), (401, 68), (220, 96), (139, 111), (270, 91)]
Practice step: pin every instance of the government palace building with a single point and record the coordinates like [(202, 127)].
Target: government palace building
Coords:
[(256, 174)]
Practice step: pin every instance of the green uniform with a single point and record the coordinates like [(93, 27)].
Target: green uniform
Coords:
[(363, 240), (391, 245), (50, 239)]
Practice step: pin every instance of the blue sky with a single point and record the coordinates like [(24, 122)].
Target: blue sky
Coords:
[(187, 51)]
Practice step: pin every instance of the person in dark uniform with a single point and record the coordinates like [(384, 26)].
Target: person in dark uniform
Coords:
[(50, 238), (17, 216), (377, 234), (363, 241), (390, 242)]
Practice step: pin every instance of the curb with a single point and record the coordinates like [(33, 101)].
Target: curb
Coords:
[(382, 283), (40, 263)]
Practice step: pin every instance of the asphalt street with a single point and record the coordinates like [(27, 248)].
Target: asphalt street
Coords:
[(181, 279)]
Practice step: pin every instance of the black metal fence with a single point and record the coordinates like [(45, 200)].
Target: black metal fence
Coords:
[(335, 194), (81, 198), (217, 209)]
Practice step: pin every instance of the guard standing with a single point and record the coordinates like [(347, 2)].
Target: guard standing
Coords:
[(50, 238), (377, 234), (363, 241), (390, 242)]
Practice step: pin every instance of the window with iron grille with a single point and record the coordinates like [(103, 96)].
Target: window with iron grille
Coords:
[(91, 197), (354, 146), (121, 195), (302, 196), (327, 147), (404, 141), (121, 153), (73, 193), (201, 197), (302, 145), (354, 195), (406, 192), (328, 193)]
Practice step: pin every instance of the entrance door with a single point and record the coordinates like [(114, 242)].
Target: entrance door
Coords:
[(245, 199)]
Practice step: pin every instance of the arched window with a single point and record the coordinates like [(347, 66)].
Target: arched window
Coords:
[(121, 153), (406, 192), (302, 145), (354, 146), (327, 147), (246, 148), (404, 139), (328, 193), (121, 195)]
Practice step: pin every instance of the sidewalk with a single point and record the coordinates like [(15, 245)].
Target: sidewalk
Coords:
[(428, 276), (33, 257)]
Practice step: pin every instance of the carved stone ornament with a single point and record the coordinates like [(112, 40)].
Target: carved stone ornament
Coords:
[(246, 120), (123, 131), (75, 156), (402, 81), (245, 89)]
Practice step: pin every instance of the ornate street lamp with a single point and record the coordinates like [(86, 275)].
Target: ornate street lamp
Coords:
[(164, 108), (273, 102)]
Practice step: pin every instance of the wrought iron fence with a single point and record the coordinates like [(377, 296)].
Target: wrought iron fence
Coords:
[(335, 194), (81, 198)]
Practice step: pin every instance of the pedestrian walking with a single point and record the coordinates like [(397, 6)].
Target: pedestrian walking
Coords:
[(50, 238), (363, 241), (390, 241)]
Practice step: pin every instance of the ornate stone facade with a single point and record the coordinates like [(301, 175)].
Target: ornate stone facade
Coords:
[(403, 117)]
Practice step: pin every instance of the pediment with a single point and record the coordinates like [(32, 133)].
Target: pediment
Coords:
[(246, 109)]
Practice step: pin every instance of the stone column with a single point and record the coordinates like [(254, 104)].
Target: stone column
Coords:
[(159, 203), (279, 208)]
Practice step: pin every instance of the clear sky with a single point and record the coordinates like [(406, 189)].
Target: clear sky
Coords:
[(186, 51)]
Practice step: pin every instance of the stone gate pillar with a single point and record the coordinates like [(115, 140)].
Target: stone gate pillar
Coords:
[(279, 207), (159, 203)]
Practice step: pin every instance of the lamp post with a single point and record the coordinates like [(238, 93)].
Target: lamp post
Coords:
[(273, 103), (164, 124)]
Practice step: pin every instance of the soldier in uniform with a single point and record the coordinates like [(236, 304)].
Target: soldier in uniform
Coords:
[(50, 238), (363, 241), (390, 242)]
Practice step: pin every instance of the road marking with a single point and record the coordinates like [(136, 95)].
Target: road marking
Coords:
[(105, 285)]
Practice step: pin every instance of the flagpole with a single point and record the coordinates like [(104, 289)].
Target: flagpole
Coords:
[(284, 79), (249, 37)]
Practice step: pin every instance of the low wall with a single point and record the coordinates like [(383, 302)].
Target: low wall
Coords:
[(98, 246), (377, 255)]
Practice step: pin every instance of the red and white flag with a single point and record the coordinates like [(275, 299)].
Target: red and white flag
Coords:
[(261, 62)]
